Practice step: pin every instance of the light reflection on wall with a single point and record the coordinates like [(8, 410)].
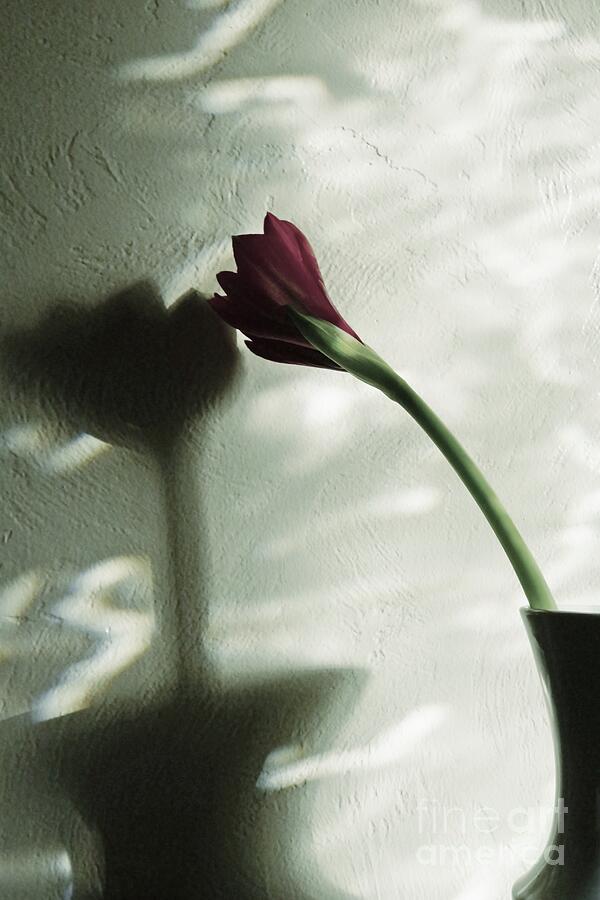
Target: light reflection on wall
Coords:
[(375, 511), (236, 94), (107, 609), (54, 452), (229, 28), (289, 766), (122, 634), (236, 639), (16, 598), (36, 873)]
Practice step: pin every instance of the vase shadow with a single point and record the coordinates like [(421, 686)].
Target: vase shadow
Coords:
[(172, 792), (161, 788)]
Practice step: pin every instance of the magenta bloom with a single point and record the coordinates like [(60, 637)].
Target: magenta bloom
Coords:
[(276, 270)]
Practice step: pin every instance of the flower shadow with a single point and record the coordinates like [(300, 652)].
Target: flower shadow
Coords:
[(129, 371), (156, 788)]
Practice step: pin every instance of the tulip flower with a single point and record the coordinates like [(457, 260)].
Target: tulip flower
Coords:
[(276, 270), (277, 299)]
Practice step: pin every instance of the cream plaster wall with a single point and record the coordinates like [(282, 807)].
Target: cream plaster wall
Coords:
[(255, 639)]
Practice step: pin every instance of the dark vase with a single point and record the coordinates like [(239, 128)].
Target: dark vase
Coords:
[(566, 646)]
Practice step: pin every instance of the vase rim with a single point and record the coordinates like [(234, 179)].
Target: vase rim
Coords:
[(592, 612)]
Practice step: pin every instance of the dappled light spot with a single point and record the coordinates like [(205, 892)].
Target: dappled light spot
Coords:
[(468, 16), (229, 29), (329, 405), (487, 615), (236, 654), (76, 453), (483, 886), (321, 418), (36, 873), (236, 94), (414, 501), (289, 766), (51, 451), (95, 605), (325, 627), (17, 596), (582, 447), (25, 439), (204, 4), (316, 401), (587, 507), (385, 506)]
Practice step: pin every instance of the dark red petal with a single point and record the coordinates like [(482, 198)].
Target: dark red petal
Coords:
[(251, 250), (292, 240), (279, 351), (227, 280), (238, 314), (266, 273), (296, 243), (276, 270), (288, 243), (270, 271), (246, 293), (241, 315), (279, 230)]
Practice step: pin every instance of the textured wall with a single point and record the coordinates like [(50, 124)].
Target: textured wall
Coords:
[(255, 639)]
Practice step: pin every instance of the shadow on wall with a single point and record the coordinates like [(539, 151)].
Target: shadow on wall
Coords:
[(172, 790), (163, 794), (461, 143), (130, 371)]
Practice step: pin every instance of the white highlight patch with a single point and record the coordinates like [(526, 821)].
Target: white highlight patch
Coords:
[(236, 94), (285, 767), (53, 453), (123, 635), (75, 454), (414, 501), (228, 30), (43, 870), (17, 596)]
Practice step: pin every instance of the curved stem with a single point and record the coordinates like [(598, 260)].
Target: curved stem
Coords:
[(361, 361), (527, 570)]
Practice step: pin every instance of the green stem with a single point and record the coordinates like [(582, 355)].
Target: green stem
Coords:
[(361, 361), (527, 570)]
